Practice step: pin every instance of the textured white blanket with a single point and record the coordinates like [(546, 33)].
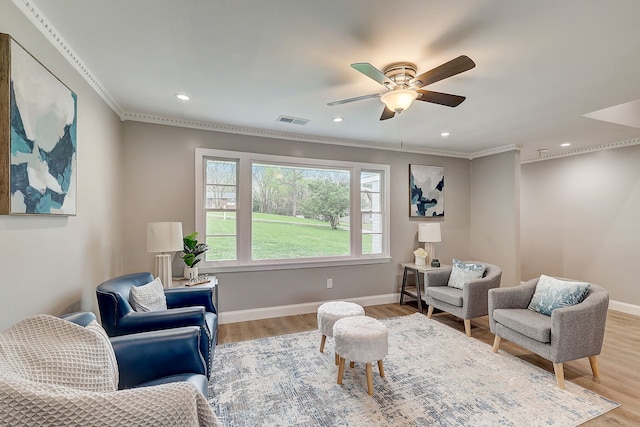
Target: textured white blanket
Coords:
[(54, 372)]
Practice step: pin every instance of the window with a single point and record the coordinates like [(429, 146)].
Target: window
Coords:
[(260, 211)]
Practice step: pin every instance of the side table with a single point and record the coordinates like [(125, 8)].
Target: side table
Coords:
[(410, 267), (181, 282)]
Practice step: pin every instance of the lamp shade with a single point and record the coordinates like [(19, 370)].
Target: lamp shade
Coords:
[(164, 236), (399, 100), (429, 232)]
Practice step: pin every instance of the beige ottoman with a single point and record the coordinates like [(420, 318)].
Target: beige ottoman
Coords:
[(361, 339), (330, 312)]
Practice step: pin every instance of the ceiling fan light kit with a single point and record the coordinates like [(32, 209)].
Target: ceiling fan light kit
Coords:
[(400, 79), (399, 100)]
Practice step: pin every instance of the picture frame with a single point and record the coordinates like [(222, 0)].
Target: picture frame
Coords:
[(426, 191), (38, 137)]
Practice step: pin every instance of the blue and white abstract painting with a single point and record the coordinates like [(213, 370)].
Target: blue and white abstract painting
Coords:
[(43, 145), (426, 188)]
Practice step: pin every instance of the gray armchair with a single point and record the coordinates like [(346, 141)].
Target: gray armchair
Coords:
[(466, 303), (569, 333)]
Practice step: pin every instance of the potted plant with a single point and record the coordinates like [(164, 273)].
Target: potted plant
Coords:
[(191, 252)]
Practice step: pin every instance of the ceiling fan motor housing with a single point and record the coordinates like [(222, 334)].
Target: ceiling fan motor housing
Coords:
[(400, 73)]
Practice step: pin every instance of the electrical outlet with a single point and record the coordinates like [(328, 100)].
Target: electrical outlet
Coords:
[(329, 283)]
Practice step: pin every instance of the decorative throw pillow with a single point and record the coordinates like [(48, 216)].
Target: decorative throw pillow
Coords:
[(463, 272), (552, 293), (149, 297)]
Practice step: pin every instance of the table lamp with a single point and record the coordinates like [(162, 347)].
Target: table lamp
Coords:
[(428, 233), (163, 237)]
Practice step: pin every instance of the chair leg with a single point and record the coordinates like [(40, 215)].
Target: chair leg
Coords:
[(324, 340), (340, 370), (430, 312), (369, 379), (593, 360), (381, 368), (467, 327), (559, 370), (496, 343)]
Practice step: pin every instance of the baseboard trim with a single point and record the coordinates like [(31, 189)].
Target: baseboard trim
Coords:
[(624, 307), (293, 309), (312, 307)]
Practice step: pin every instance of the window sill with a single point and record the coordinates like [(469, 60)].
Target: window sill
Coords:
[(271, 266)]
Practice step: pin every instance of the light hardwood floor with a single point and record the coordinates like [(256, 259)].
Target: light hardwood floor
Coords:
[(619, 361)]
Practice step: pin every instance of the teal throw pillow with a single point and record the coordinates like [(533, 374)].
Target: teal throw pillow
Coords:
[(463, 272), (552, 293)]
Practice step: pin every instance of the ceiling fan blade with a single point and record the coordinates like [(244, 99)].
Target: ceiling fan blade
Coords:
[(373, 73), (440, 98), (455, 66), (357, 98), (387, 114)]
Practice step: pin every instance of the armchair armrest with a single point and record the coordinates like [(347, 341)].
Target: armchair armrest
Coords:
[(164, 319), (578, 331), (514, 297), (82, 318), (476, 293), (150, 355), (187, 297), (436, 277)]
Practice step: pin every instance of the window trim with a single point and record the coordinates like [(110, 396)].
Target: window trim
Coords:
[(245, 162)]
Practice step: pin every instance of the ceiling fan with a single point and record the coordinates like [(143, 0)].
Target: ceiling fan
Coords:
[(402, 84)]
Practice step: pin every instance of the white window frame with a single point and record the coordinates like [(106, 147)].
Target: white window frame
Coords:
[(244, 211)]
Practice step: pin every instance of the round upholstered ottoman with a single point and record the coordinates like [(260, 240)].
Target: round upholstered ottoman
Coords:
[(330, 312), (361, 339)]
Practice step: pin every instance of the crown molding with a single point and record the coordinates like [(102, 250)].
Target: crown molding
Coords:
[(171, 121), (496, 150), (608, 146), (45, 27)]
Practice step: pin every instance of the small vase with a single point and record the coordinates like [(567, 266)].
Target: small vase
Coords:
[(421, 261), (190, 272)]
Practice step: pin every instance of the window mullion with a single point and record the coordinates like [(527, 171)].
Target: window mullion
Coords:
[(244, 211)]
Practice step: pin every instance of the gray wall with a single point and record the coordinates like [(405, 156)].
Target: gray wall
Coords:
[(52, 264), (580, 220), (495, 213), (159, 162)]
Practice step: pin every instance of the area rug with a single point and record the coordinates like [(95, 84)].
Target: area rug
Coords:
[(434, 376)]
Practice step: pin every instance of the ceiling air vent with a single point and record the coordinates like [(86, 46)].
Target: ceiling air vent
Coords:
[(292, 120)]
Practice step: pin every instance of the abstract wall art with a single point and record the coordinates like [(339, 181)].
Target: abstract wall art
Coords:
[(426, 191), (38, 143)]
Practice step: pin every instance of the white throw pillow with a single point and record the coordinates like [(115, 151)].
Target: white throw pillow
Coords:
[(149, 297), (463, 272)]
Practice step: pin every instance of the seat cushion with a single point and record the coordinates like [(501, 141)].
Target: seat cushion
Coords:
[(526, 322), (452, 296)]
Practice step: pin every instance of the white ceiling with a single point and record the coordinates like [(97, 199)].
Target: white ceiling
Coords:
[(541, 66)]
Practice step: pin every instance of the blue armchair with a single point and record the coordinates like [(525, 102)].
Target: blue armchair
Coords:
[(186, 307), (157, 357)]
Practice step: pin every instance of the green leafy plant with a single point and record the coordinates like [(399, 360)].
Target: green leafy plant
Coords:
[(192, 249)]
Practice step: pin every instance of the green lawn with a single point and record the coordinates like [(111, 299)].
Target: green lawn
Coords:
[(280, 237)]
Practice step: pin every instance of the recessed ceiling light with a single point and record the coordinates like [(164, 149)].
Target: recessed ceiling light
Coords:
[(445, 134), (338, 119), (182, 96), (565, 144)]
